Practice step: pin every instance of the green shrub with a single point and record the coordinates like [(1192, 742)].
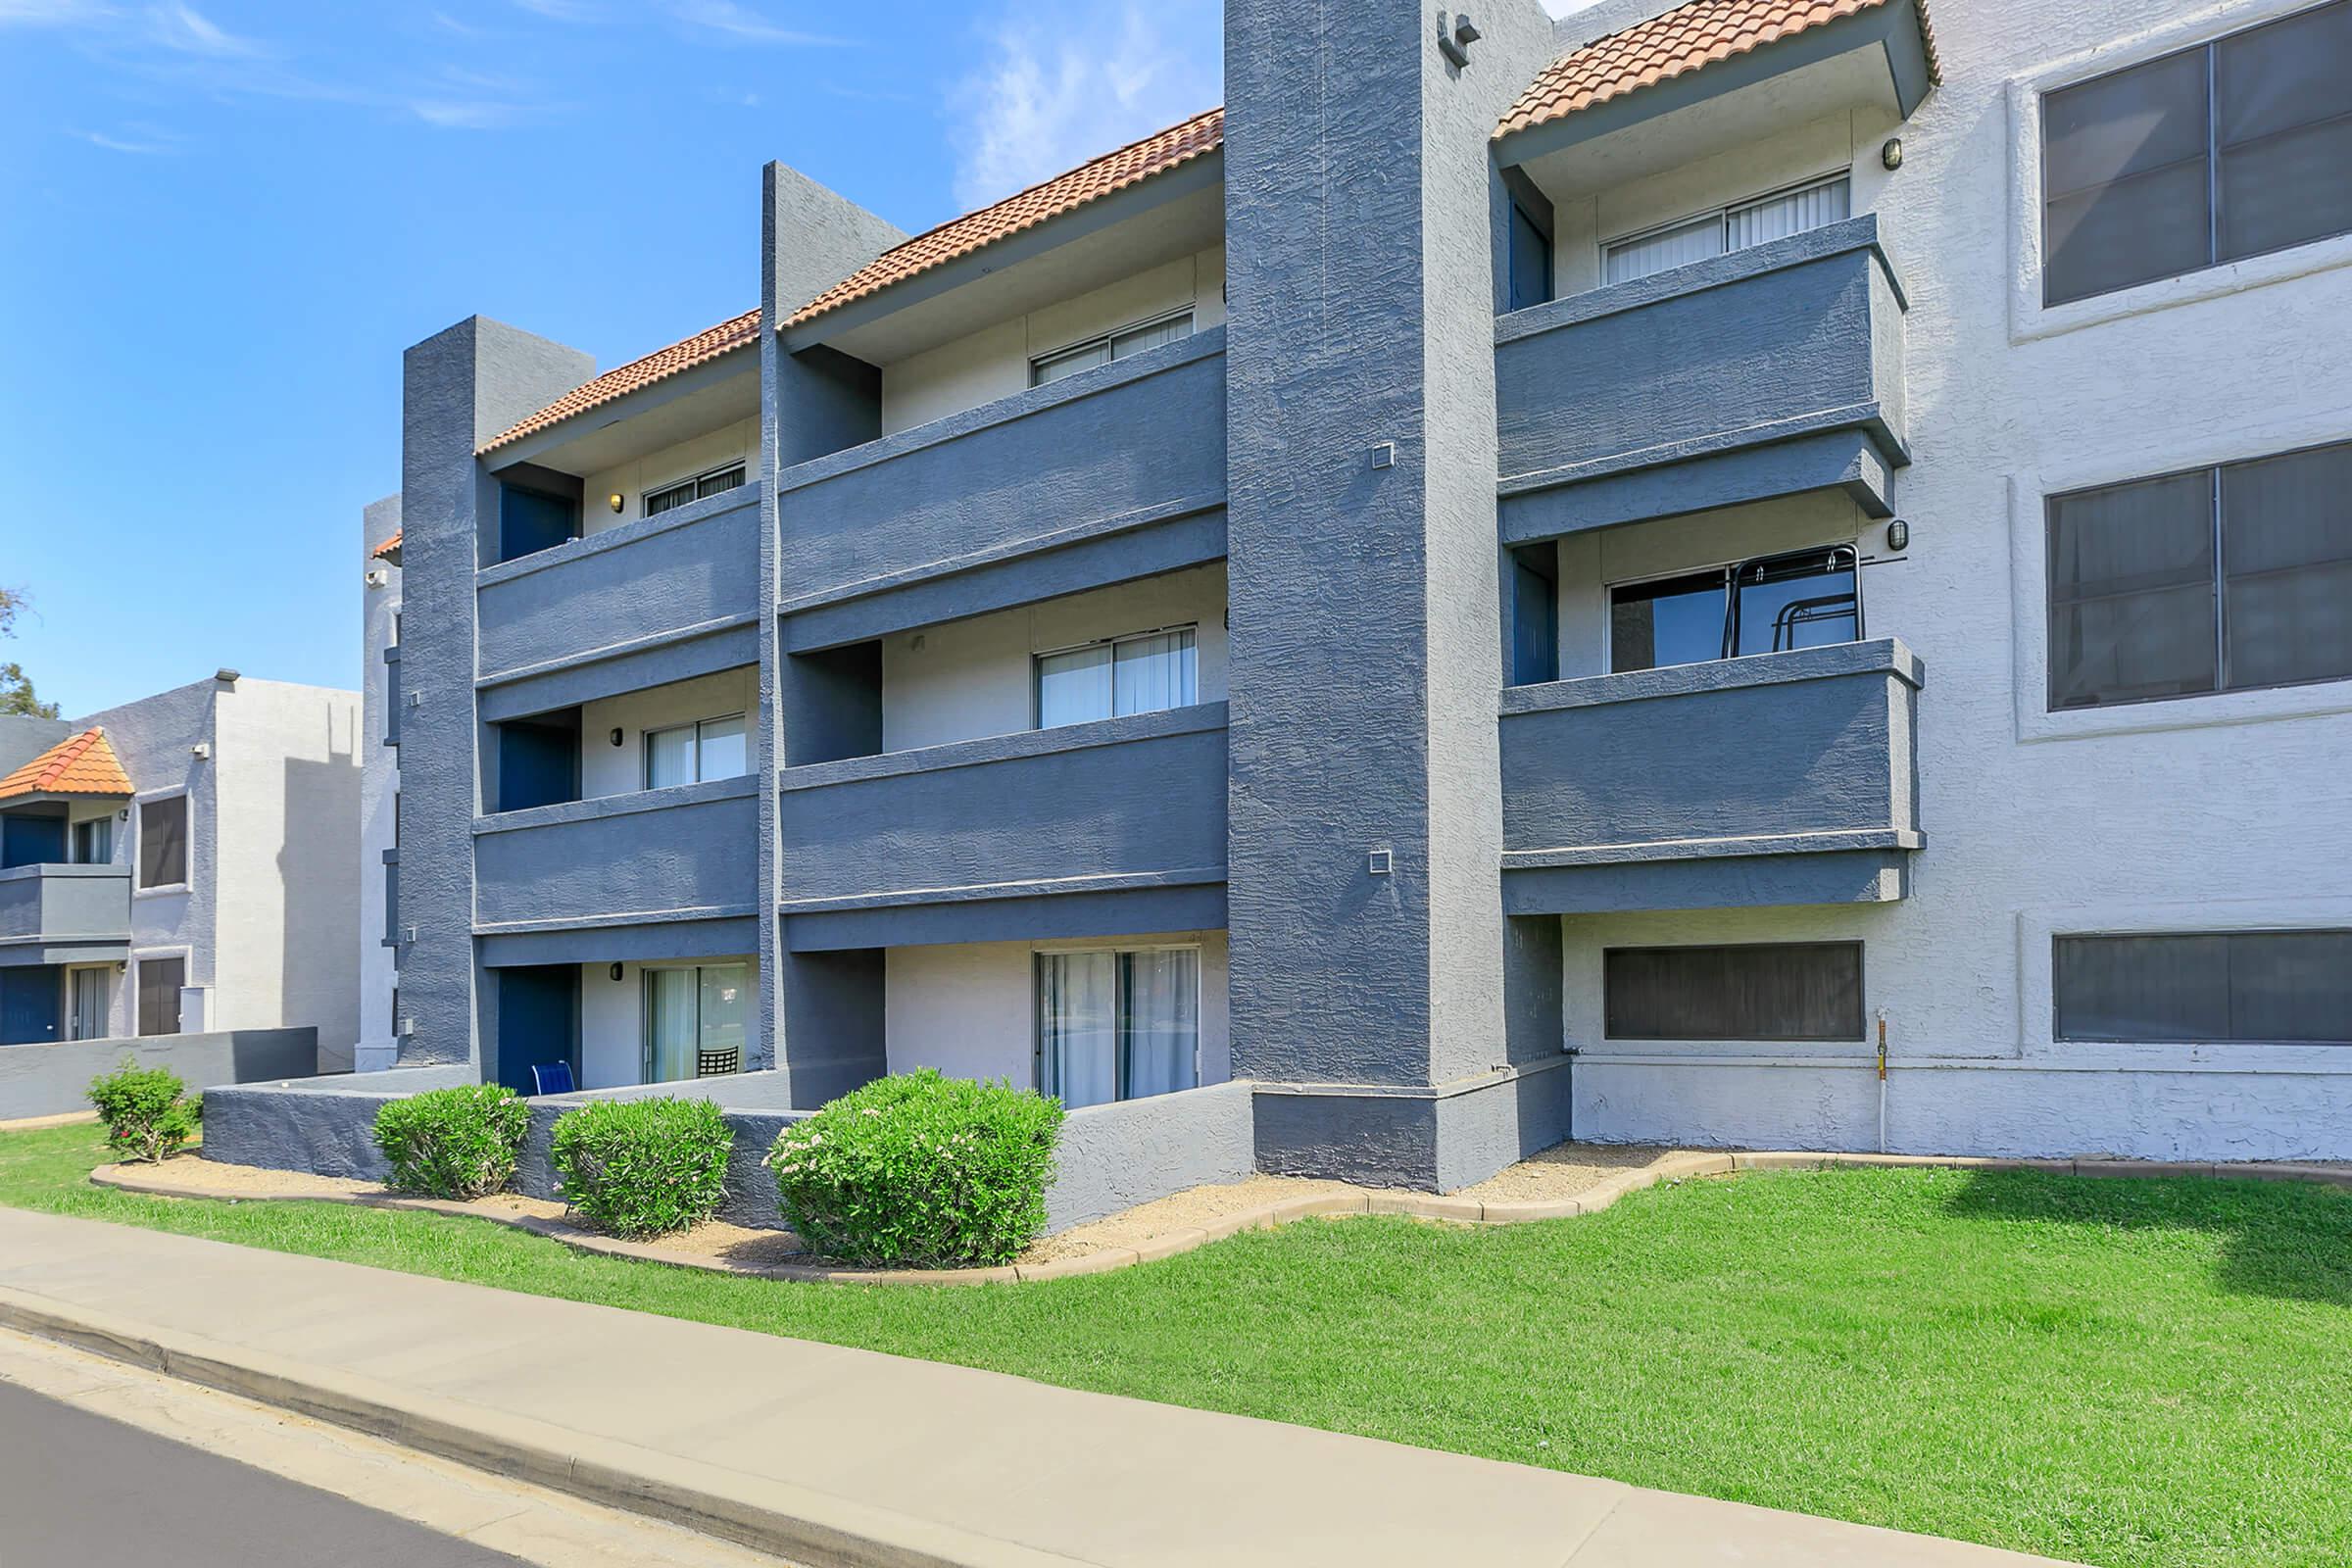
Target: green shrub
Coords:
[(644, 1167), (453, 1143), (146, 1111), (920, 1171)]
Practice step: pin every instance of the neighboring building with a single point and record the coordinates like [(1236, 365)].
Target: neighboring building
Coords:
[(1592, 587), (379, 969), (180, 865)]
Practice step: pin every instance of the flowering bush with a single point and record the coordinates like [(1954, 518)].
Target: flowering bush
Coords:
[(644, 1167), (453, 1143), (920, 1171), (145, 1112)]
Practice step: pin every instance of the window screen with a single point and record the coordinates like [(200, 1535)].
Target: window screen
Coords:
[(1048, 368), (2220, 152), (164, 843), (1730, 228), (159, 980), (2219, 579), (2280, 987), (685, 490), (1768, 991), (1140, 674)]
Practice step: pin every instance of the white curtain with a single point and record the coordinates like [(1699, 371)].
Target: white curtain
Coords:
[(670, 758), (672, 1003), (1678, 246), (1156, 673), (726, 1001), (1160, 1029), (723, 754), (1073, 688), (1077, 1026), (1778, 216)]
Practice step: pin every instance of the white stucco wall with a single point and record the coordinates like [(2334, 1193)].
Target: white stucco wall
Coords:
[(610, 769), (970, 1008), (993, 363), (376, 1045), (2202, 813), (738, 442), (970, 678)]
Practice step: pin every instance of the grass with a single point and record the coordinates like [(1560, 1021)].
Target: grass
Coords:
[(2136, 1374)]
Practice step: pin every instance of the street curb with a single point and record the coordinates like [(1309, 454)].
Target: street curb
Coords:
[(1266, 1216), (797, 1523)]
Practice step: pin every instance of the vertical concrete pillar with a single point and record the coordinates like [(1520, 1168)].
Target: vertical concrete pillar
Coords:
[(820, 1014), (459, 388), (1365, 595)]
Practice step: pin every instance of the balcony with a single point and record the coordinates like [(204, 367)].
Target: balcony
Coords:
[(660, 599), (654, 859), (1115, 473), (1765, 373), (65, 914), (1778, 779), (1090, 829)]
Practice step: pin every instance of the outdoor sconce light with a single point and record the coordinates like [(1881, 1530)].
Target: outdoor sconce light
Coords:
[(1892, 155), (617, 735), (1898, 536), (377, 576), (614, 501), (615, 971), (1455, 46)]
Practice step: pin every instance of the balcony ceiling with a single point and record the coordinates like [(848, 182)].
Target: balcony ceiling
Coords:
[(668, 411)]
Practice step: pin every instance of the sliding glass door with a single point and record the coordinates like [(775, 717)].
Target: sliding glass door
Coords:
[(696, 1021), (1118, 1025)]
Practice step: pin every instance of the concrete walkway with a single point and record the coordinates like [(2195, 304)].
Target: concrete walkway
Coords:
[(833, 1456)]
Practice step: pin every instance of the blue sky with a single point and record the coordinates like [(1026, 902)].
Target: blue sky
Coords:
[(224, 221)]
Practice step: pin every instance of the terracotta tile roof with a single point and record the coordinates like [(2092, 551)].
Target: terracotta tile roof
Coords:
[(701, 349), (388, 549), (1674, 44), (80, 765), (1131, 165)]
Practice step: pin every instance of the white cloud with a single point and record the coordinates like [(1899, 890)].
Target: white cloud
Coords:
[(51, 13), (183, 28), (141, 140), (1065, 80), (741, 24)]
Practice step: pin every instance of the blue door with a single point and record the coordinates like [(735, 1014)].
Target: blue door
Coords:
[(538, 1022), (29, 840), (29, 1005)]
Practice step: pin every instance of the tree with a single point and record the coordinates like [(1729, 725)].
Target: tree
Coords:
[(16, 687)]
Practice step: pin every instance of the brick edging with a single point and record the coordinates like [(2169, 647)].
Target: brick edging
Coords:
[(1266, 1216)]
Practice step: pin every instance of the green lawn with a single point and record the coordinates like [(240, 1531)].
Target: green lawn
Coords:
[(2124, 1372)]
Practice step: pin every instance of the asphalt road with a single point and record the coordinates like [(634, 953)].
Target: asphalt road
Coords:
[(77, 1490)]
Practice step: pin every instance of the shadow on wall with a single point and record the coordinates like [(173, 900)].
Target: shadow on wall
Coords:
[(318, 978), (2285, 1240)]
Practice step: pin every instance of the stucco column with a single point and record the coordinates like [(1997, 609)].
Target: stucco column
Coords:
[(459, 387), (1363, 550)]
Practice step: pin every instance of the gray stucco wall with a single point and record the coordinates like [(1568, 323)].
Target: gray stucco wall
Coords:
[(49, 1080), (1116, 1156), (657, 852), (83, 906)]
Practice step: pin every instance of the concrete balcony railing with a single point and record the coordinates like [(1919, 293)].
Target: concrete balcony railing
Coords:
[(689, 574), (1777, 780), (1113, 826), (65, 914), (655, 857), (1765, 373), (1113, 474)]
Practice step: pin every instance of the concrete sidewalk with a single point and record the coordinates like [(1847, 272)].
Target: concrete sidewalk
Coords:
[(835, 1455)]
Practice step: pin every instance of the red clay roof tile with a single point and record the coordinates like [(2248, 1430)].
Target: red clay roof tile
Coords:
[(386, 549), (1674, 44), (79, 764), (715, 342)]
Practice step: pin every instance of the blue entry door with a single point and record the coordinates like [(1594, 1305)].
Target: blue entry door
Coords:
[(538, 1022), (29, 1004)]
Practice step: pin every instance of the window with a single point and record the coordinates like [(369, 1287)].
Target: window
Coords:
[(2219, 579), (694, 489), (696, 1021), (164, 843), (1138, 674), (1530, 259), (1048, 368), (1725, 229), (1768, 991), (690, 753), (94, 840), (1117, 1026), (160, 983), (2225, 151), (2264, 987), (1771, 604), (86, 994)]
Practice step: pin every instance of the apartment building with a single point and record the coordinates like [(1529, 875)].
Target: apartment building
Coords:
[(179, 866), (1757, 573)]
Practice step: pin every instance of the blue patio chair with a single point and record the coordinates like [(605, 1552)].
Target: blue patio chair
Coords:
[(552, 1078)]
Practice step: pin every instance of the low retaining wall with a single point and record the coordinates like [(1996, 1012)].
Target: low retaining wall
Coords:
[(1112, 1156), (51, 1080)]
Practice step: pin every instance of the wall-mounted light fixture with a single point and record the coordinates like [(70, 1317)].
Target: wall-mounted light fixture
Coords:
[(377, 576), (1380, 863), (1455, 46), (615, 500), (615, 971), (1892, 155), (617, 735), (1898, 536), (201, 750)]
